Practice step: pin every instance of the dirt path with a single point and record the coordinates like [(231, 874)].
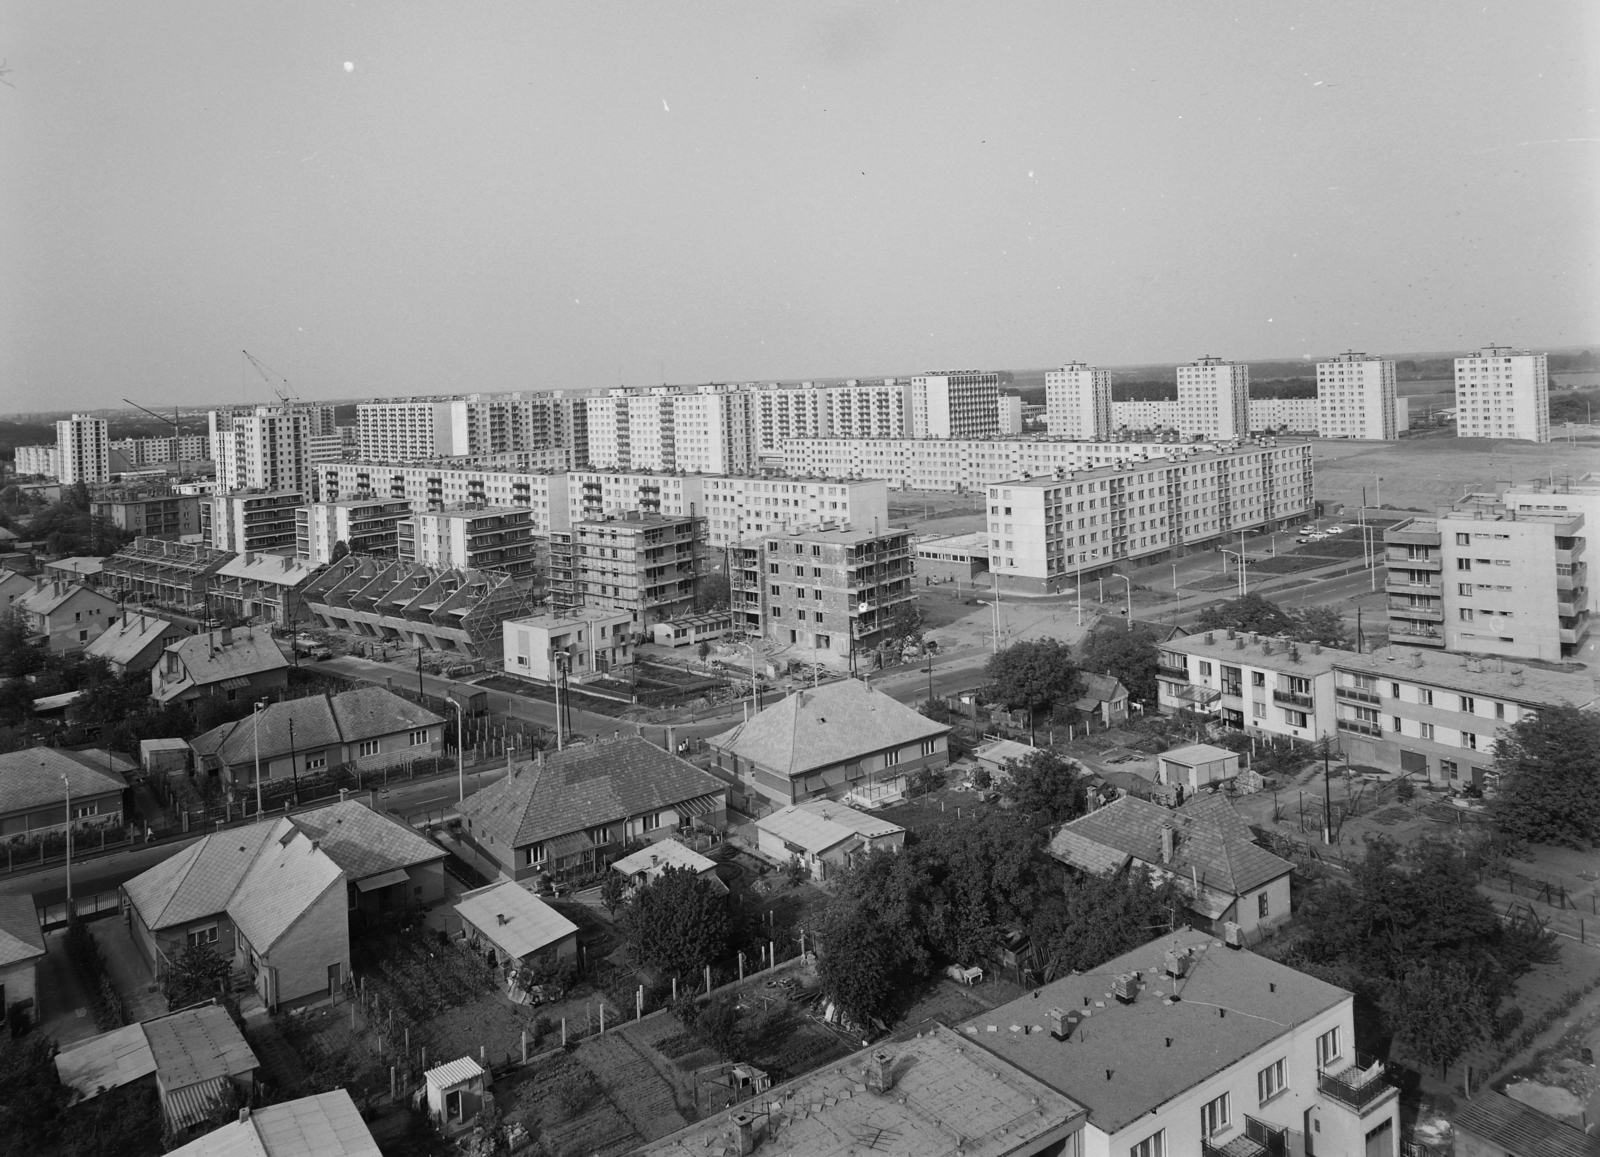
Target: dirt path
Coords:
[(632, 1083)]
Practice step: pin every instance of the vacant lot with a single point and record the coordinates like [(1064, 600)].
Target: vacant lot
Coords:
[(1425, 473)]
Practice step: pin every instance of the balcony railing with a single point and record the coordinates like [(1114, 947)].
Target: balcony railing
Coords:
[(1360, 728), (1165, 672), (1355, 696), (1294, 699), (1360, 1084), (1259, 1139)]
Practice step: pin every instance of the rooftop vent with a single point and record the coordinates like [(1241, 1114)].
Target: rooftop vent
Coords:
[(1176, 962), (1125, 987), (1211, 637), (1232, 935), (1061, 1022)]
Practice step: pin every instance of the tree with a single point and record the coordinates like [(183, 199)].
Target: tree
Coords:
[(1129, 655), (678, 922), (1093, 919), (18, 656), (711, 594), (1549, 767), (1250, 613), (703, 650), (718, 1025), (1046, 787), (340, 549), (613, 891), (1439, 1011), (857, 965), (1032, 675), (1321, 625), (197, 974)]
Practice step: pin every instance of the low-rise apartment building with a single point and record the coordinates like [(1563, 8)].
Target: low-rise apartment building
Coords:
[(584, 642), (1145, 414), (647, 565), (255, 520), (265, 588), (158, 573), (1438, 715), (40, 461), (1275, 415), (478, 537), (1490, 578), (150, 513), (833, 591), (1250, 682), (1560, 496), (364, 525)]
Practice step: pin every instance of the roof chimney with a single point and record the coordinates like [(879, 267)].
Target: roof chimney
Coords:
[(1416, 658), (227, 636), (1167, 841), (1514, 676), (1211, 637), (1266, 646), (1060, 1023), (744, 1133), (880, 1071), (1316, 647)]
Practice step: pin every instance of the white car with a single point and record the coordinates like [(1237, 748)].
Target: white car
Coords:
[(1336, 530)]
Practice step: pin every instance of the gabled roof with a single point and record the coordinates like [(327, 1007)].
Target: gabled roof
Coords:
[(318, 721), (1211, 843), (371, 712), (20, 937), (583, 787), (818, 727), (127, 639), (514, 919), (364, 843), (326, 1125), (200, 880), (107, 1061), (259, 566), (54, 595), (1100, 688), (31, 778), (1521, 1129), (289, 876), (819, 824), (248, 653)]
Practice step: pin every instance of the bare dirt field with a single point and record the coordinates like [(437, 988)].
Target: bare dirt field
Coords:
[(1428, 472)]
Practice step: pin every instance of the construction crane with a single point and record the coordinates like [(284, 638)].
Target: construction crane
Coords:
[(177, 432), (276, 382)]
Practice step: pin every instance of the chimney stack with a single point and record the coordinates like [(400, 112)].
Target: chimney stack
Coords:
[(1167, 843), (1514, 676), (227, 636), (880, 1071), (1060, 1024), (744, 1133)]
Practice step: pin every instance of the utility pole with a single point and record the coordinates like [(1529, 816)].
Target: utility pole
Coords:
[(1327, 796), (255, 734), (419, 676), (294, 772), (68, 785)]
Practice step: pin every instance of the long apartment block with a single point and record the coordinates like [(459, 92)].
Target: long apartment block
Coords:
[(734, 506), (1047, 534), (958, 464), (406, 429)]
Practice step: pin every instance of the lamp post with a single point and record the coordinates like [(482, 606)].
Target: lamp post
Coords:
[(1244, 587), (461, 775), (255, 735), (68, 785), (1129, 583)]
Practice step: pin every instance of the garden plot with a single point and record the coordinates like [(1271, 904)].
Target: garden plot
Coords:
[(560, 1103)]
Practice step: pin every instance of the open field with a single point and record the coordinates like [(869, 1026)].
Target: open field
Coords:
[(1426, 473)]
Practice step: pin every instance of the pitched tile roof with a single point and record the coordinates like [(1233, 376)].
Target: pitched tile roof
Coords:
[(514, 919), (200, 880), (364, 843), (31, 778), (371, 712), (1521, 1129), (289, 875), (819, 727), (128, 638), (1132, 1040), (1211, 844), (1100, 688), (326, 1125), (20, 937), (583, 787), (319, 721), (53, 595), (259, 566), (246, 654)]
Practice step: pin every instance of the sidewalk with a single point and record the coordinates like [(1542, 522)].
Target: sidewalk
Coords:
[(141, 995)]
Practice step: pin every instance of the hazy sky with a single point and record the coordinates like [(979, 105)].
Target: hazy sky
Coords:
[(531, 195)]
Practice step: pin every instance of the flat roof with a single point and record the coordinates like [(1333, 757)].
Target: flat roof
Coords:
[(529, 923), (839, 535), (1246, 648), (1262, 1001), (1197, 753), (580, 618), (1491, 678), (946, 1093)]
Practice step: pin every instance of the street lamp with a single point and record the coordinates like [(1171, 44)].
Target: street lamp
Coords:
[(461, 776), (255, 735), (1129, 583), (68, 785), (1244, 585)]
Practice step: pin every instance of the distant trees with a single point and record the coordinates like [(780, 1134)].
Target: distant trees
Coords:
[(1046, 788), (1549, 767), (341, 548), (1032, 675), (678, 922), (1129, 655)]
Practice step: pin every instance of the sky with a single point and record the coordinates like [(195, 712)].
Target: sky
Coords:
[(402, 197)]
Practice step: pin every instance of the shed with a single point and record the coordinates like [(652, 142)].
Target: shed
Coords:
[(1493, 1124), (1197, 766), (455, 1094), (648, 863), (21, 947), (163, 756), (201, 1058), (823, 833), (995, 754), (512, 924), (107, 1061)]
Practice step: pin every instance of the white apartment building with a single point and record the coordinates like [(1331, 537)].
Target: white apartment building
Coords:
[(1010, 415), (1503, 393), (852, 409), (153, 451), (265, 448), (498, 538), (958, 464), (1045, 534), (955, 404), (1156, 414), (1213, 399), (1270, 415), (435, 485), (1490, 579), (1356, 398), (407, 429), (1439, 715), (364, 525), (1251, 683), (1559, 496), (713, 431), (83, 451), (43, 460), (1077, 402), (252, 520), (401, 430)]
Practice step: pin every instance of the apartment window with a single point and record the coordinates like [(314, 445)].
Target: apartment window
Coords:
[(1499, 710), (1328, 1048), (1466, 614), (1463, 540), (1449, 769), (1463, 564), (777, 591), (1469, 706), (1394, 691), (1469, 741), (1214, 1117), (1425, 697), (1425, 730), (1464, 588), (1272, 1080), (1205, 670), (368, 747), (1154, 1145)]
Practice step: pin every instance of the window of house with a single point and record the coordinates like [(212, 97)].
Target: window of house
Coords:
[(1261, 906), (1272, 1080), (1154, 1145), (651, 822), (535, 854), (1328, 1047), (368, 747), (418, 738), (198, 936), (1214, 1117), (316, 760), (1449, 768)]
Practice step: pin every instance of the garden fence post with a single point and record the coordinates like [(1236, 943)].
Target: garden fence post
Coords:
[(408, 1038), (708, 980), (674, 990), (424, 1058), (483, 1055), (741, 968), (563, 1032), (638, 1004), (772, 953), (391, 1083), (602, 1016), (524, 1046)]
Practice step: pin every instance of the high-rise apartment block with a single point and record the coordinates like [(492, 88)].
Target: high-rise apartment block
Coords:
[(1503, 393), (252, 520), (955, 404), (497, 538), (1077, 402), (646, 564), (265, 448), (1213, 399), (832, 592), (366, 526), (402, 429), (1490, 578), (83, 451), (1010, 415), (1356, 398), (712, 431)]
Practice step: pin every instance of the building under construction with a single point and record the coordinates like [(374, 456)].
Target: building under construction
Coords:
[(172, 576), (413, 606), (649, 565)]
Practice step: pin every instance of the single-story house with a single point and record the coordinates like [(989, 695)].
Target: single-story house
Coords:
[(21, 948), (163, 756), (231, 663), (1196, 766), (1204, 847), (512, 925), (368, 727), (68, 616), (1495, 1125), (568, 813), (327, 1125), (135, 643), (647, 863), (842, 739), (691, 630), (387, 865), (994, 755), (824, 834), (34, 795), (1102, 695)]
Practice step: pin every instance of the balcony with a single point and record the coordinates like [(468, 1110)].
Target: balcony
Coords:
[(1294, 699), (1435, 613), (1352, 695), (1259, 1139), (1189, 693), (1400, 586), (1356, 727), (1181, 674), (1403, 561), (1357, 1086)]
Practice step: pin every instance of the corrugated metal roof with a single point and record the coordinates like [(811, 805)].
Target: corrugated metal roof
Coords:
[(194, 1103), (383, 880), (326, 1125), (455, 1072), (107, 1061), (1521, 1129), (661, 855), (197, 1045), (819, 825)]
